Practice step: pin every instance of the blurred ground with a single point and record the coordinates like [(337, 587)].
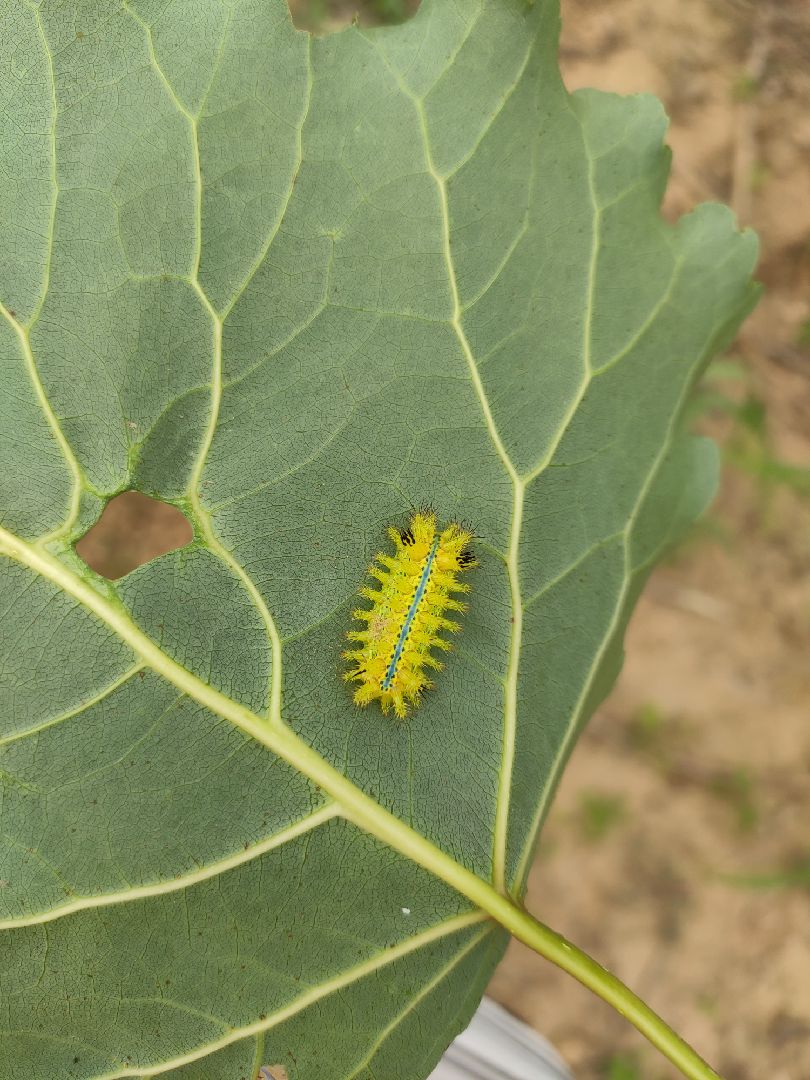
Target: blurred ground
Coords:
[(678, 850)]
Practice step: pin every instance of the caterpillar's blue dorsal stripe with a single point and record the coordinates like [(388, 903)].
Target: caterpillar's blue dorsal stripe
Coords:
[(406, 626)]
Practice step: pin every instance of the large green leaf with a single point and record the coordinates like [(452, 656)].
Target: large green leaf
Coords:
[(296, 286)]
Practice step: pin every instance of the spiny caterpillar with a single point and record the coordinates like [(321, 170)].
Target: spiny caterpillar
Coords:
[(415, 589)]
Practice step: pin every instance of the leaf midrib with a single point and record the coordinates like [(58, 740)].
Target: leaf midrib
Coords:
[(352, 803)]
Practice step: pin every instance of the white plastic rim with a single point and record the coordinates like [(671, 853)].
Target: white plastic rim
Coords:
[(496, 1046)]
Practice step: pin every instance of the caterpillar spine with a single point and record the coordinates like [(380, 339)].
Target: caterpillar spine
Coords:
[(415, 589)]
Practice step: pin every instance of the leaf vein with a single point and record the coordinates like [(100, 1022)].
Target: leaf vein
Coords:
[(273, 233), (426, 989), (629, 574), (310, 997), (76, 710), (310, 821), (46, 276)]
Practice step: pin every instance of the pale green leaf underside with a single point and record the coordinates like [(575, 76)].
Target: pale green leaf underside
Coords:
[(297, 286)]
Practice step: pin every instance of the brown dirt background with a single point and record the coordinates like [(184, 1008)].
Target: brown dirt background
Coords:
[(678, 849)]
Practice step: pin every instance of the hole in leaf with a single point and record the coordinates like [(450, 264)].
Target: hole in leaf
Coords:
[(323, 16), (132, 530)]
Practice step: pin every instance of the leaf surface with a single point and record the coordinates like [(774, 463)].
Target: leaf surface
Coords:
[(296, 286)]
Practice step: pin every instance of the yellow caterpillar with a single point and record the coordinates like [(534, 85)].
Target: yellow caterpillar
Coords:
[(402, 627)]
